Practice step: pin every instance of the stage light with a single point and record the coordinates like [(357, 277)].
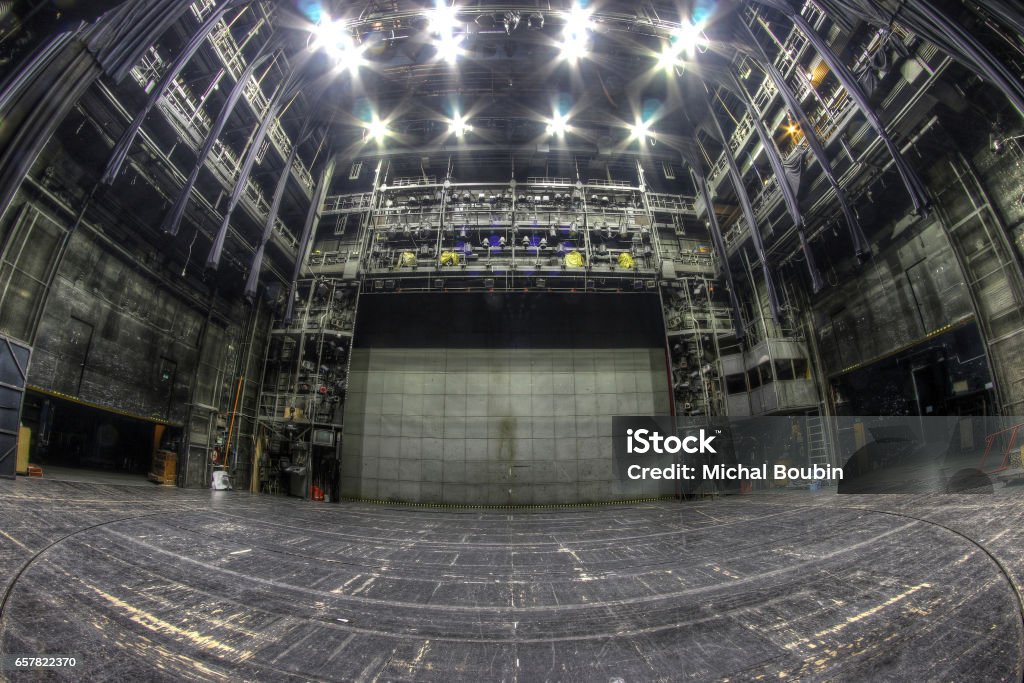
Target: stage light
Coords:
[(511, 22), (575, 35), (578, 20), (558, 125), (449, 47), (640, 130), (335, 39), (573, 50), (459, 126), (683, 43), (377, 130), (690, 37), (669, 58), (442, 23), (442, 19)]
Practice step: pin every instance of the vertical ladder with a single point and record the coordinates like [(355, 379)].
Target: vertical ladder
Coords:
[(818, 452)]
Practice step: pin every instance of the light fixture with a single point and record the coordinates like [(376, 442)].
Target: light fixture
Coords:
[(459, 126), (442, 23), (575, 35), (449, 47), (690, 37), (558, 125), (640, 130), (683, 42), (442, 19), (377, 129), (511, 22), (335, 39), (669, 58)]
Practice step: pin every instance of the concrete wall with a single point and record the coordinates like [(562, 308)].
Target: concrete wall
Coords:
[(109, 336), (517, 420), (913, 287), (122, 330), (479, 426)]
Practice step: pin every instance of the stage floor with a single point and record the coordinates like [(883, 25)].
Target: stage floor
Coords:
[(168, 584)]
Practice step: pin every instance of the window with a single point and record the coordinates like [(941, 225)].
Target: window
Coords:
[(736, 384), (784, 370)]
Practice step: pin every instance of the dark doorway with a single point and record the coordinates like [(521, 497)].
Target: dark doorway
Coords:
[(70, 435)]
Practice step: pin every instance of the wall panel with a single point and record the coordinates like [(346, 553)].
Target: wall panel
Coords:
[(510, 403)]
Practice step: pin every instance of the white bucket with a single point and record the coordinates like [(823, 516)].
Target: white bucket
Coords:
[(221, 481)]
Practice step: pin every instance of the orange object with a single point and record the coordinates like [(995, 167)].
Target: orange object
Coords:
[(35, 471), (231, 425)]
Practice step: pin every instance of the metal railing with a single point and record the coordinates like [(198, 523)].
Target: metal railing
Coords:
[(182, 110), (672, 203), (348, 203), (231, 56)]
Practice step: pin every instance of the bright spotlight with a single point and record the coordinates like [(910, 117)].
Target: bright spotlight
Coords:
[(377, 129), (690, 37), (573, 49), (449, 47), (684, 42), (558, 125), (335, 39), (459, 126), (578, 20), (575, 35), (442, 19), (669, 58), (641, 130), (442, 23)]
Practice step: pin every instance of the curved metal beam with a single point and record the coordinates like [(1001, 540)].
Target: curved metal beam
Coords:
[(123, 145), (172, 221)]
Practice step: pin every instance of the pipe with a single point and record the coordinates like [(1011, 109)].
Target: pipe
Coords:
[(860, 243), (716, 237), (285, 91), (911, 181), (123, 145), (748, 210), (231, 425), (781, 177), (312, 221), (172, 221)]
